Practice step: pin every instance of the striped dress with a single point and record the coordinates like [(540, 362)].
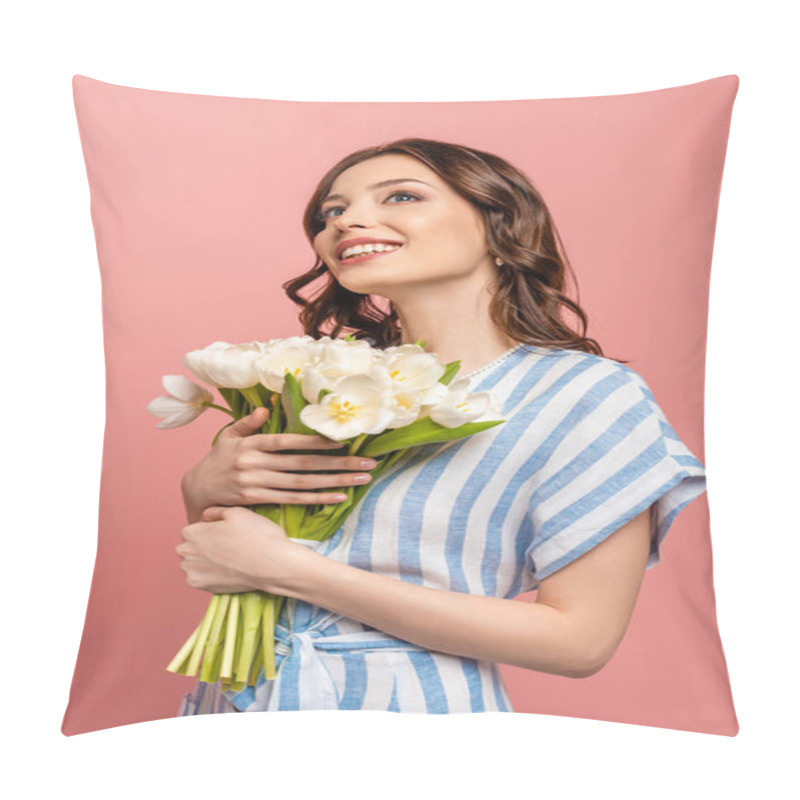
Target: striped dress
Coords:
[(584, 449)]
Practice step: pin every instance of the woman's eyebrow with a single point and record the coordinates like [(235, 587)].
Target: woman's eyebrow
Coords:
[(378, 185)]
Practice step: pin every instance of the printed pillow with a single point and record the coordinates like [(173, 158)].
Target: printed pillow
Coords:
[(197, 204)]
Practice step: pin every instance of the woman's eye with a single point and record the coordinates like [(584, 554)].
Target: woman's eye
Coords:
[(403, 194), (328, 212)]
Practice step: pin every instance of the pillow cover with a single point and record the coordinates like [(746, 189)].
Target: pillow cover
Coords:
[(196, 203)]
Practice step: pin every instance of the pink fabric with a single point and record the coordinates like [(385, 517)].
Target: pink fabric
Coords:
[(197, 204)]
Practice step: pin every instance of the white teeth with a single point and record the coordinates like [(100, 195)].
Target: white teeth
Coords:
[(359, 249)]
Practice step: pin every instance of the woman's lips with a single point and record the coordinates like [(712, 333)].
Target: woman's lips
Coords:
[(366, 257)]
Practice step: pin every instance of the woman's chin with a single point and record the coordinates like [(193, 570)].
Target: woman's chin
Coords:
[(365, 284)]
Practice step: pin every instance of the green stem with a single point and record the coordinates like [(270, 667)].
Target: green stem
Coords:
[(268, 636), (215, 641), (199, 645), (255, 666), (292, 517), (216, 665), (226, 670), (274, 423), (251, 395), (221, 408), (357, 442), (252, 609), (183, 654)]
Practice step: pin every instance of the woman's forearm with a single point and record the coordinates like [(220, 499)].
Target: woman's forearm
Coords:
[(194, 510), (529, 635)]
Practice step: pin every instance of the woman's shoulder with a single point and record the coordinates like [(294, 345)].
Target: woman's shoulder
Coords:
[(577, 373), (579, 360)]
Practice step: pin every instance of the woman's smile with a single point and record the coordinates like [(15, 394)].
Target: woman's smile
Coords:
[(366, 253)]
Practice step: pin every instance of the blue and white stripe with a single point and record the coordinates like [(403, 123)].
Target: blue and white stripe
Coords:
[(585, 448)]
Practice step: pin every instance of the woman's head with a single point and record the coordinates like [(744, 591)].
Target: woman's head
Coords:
[(428, 236), (465, 211)]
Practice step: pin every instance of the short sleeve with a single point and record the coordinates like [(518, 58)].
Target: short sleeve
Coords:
[(611, 455)]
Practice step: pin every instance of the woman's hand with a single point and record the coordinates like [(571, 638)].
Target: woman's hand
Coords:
[(245, 468), (236, 550)]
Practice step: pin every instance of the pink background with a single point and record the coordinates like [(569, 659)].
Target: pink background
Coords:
[(197, 204)]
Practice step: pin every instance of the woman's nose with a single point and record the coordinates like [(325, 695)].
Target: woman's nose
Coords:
[(349, 222), (343, 224), (352, 218)]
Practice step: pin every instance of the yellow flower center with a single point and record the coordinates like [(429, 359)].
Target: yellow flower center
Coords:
[(397, 375), (344, 410)]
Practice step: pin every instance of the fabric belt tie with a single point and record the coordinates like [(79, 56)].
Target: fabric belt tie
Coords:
[(303, 669)]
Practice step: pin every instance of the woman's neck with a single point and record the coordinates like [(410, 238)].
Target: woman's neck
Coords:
[(453, 330)]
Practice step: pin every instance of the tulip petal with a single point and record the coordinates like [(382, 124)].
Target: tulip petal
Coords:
[(186, 390), (183, 417), (164, 406)]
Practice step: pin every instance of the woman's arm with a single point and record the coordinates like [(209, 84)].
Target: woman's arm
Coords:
[(248, 468), (574, 627)]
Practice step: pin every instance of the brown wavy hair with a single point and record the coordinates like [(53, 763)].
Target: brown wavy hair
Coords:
[(528, 293)]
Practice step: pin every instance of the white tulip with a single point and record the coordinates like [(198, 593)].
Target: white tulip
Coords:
[(337, 358), (411, 378), (406, 407), (435, 394), (462, 406), (403, 349), (358, 405), (314, 381), (295, 354), (224, 365), (411, 368), (184, 403), (405, 401), (196, 359)]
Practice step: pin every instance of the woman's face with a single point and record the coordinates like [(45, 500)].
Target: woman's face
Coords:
[(427, 232)]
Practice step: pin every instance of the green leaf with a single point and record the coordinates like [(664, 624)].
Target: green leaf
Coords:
[(423, 431), (292, 519), (232, 398), (264, 394), (450, 372), (252, 397), (269, 510), (274, 422), (293, 403)]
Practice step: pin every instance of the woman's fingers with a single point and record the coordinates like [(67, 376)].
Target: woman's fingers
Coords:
[(253, 458), (246, 425), (271, 442), (248, 468), (298, 498), (306, 480), (317, 463), (213, 513)]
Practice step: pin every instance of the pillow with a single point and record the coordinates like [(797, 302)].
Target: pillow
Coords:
[(197, 205)]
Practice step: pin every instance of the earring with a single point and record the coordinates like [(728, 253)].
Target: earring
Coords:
[(499, 261)]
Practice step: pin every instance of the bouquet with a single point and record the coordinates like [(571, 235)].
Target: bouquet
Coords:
[(379, 403)]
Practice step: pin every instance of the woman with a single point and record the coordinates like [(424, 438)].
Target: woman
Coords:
[(408, 607)]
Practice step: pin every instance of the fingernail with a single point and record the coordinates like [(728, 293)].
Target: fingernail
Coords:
[(368, 463)]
